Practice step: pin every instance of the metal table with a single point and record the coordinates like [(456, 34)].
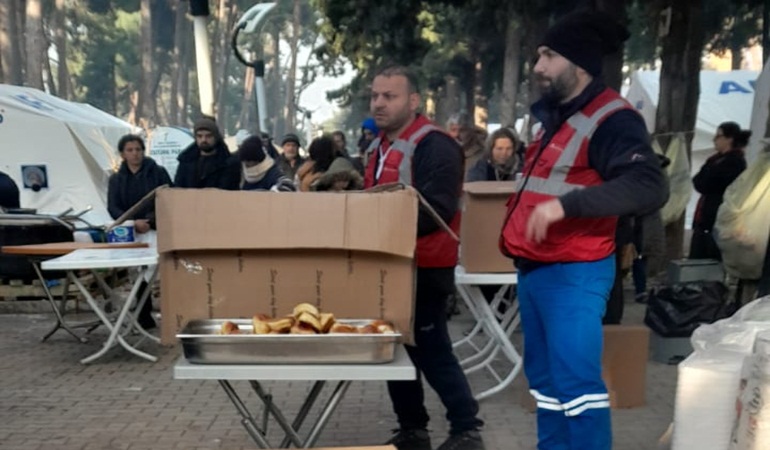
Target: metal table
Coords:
[(37, 253), (492, 328), (342, 374), (144, 259)]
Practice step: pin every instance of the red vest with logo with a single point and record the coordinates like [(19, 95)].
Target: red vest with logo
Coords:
[(563, 167), (393, 164)]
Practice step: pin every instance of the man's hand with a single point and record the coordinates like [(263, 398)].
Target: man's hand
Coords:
[(142, 225), (542, 217)]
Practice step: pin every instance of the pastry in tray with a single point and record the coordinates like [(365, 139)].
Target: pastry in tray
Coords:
[(307, 319)]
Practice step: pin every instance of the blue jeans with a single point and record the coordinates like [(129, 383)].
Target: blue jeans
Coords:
[(435, 360), (561, 314)]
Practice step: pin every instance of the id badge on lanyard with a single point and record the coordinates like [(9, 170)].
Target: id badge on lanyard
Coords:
[(381, 161)]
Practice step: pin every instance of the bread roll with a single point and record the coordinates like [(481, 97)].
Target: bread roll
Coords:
[(384, 327), (301, 328), (327, 321), (259, 325), (281, 325), (310, 321), (305, 308), (229, 328), (343, 328), (368, 329)]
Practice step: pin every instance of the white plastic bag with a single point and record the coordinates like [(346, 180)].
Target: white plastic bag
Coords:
[(752, 422), (736, 333), (743, 221), (678, 172)]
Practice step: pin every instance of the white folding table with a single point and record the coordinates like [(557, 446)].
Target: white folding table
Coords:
[(494, 329), (143, 259), (401, 368)]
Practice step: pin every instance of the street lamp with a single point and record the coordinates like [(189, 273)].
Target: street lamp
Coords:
[(252, 22)]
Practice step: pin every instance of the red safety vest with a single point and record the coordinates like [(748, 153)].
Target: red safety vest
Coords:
[(563, 167), (393, 164)]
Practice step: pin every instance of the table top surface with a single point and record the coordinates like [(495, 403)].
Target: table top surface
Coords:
[(103, 259), (62, 248), (463, 277), (401, 368)]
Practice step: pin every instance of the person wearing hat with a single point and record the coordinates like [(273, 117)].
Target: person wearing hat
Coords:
[(259, 172), (207, 162), (590, 162), (290, 160)]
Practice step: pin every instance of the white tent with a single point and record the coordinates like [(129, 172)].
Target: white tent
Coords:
[(724, 96), (759, 115), (59, 153)]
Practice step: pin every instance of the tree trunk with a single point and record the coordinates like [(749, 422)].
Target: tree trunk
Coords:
[(10, 50), (679, 88), (612, 70), (60, 39), (21, 37), (35, 44), (247, 100), (736, 50), (182, 36), (291, 79), (226, 19), (511, 70), (274, 83), (144, 89)]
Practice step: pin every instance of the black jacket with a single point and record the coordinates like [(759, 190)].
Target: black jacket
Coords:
[(9, 192), (127, 188), (484, 170), (220, 170), (437, 171), (273, 177), (717, 173), (286, 167)]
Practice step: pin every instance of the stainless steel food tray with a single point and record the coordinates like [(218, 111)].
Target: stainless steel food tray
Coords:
[(203, 344)]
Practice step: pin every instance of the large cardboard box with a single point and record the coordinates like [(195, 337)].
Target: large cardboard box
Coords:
[(227, 254), (482, 220), (624, 366)]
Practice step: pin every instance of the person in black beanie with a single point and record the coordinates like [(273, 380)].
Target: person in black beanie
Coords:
[(259, 172), (207, 162), (590, 163)]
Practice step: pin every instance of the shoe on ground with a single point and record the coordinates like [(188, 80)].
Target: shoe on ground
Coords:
[(411, 440), (467, 440)]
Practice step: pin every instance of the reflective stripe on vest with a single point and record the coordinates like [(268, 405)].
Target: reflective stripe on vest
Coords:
[(584, 126), (406, 148)]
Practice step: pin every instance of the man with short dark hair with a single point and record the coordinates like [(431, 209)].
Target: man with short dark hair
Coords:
[(590, 163), (412, 150), (207, 162)]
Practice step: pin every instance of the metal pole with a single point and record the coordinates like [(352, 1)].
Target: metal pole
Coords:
[(203, 63), (259, 91)]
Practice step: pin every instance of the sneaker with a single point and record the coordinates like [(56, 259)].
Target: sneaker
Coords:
[(411, 440), (467, 440)]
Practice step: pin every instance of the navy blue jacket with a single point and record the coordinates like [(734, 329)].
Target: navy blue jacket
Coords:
[(220, 170)]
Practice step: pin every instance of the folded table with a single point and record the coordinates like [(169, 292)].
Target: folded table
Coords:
[(401, 368)]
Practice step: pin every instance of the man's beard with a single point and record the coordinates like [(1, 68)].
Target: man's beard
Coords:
[(205, 147), (560, 87)]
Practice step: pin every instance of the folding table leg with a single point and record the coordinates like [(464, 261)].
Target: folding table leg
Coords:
[(247, 419), (312, 396), (326, 413), (60, 323), (291, 432)]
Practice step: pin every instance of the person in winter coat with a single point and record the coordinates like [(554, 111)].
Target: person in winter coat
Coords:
[(9, 192), (137, 176), (500, 162), (290, 160), (716, 174), (321, 156), (207, 162), (259, 171)]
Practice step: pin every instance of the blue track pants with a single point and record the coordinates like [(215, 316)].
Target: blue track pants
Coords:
[(561, 314)]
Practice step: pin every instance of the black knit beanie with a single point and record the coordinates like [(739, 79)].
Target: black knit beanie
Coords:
[(585, 37), (251, 150)]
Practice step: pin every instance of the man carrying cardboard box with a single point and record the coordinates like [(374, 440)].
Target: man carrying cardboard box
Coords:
[(590, 163), (412, 150)]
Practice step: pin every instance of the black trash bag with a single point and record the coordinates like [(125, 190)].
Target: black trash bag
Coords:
[(677, 310)]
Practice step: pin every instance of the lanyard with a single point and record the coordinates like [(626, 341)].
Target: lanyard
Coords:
[(381, 160)]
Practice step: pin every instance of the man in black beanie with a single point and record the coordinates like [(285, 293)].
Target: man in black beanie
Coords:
[(590, 162), (207, 162)]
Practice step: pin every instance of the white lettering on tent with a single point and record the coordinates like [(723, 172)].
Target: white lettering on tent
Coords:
[(728, 87)]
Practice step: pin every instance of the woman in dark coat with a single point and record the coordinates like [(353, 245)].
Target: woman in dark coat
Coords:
[(500, 161), (717, 173)]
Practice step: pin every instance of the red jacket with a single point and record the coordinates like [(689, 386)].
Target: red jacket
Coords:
[(437, 249), (563, 166)]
